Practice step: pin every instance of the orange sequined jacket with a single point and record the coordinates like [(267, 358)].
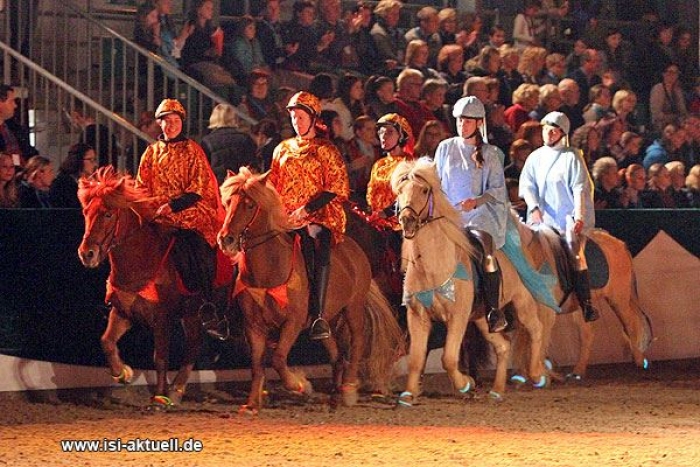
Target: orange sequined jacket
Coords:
[(302, 169), (169, 169)]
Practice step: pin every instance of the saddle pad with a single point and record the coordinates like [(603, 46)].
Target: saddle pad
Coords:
[(598, 268)]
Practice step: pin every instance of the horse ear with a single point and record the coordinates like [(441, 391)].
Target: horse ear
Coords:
[(230, 173)]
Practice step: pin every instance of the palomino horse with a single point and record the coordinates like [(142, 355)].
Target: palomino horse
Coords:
[(143, 281), (439, 284), (272, 292), (619, 291)]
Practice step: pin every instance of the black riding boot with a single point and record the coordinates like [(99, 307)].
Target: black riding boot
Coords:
[(494, 315), (582, 288), (319, 328)]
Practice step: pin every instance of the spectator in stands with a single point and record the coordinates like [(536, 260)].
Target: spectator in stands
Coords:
[(692, 183), (478, 87), (409, 84), (322, 85), (624, 104), (656, 57), (587, 138), (281, 98), (429, 137), (555, 69), (427, 30), (666, 148), (598, 107), (203, 54), (227, 147), (96, 135), (616, 53), (35, 180), (676, 170), (451, 70), (80, 162), (433, 98), (606, 193), (269, 34), (417, 59), (497, 36), (527, 27), (389, 41), (525, 100), (686, 57), (448, 29), (486, 63), (510, 77), (148, 124), (531, 131), (365, 52), (531, 65), (575, 57), (666, 100), (14, 137), (258, 102), (350, 103), (267, 136), (549, 101), (690, 151), (626, 152), (380, 97), (147, 27), (470, 34), (362, 151), (636, 181), (517, 154), (657, 194), (170, 42), (499, 133), (8, 185), (339, 52), (331, 128), (570, 95), (300, 30), (245, 49), (611, 129), (586, 76)]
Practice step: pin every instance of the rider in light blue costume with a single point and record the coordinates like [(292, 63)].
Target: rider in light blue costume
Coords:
[(558, 190), (471, 174)]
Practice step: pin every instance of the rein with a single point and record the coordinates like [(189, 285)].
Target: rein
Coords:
[(244, 239)]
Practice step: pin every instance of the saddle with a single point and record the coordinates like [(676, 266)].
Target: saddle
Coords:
[(598, 268)]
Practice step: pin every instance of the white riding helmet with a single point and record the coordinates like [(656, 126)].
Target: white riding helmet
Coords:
[(558, 120), (469, 107)]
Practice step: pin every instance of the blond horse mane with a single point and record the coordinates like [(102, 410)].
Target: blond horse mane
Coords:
[(423, 171), (116, 190), (254, 185)]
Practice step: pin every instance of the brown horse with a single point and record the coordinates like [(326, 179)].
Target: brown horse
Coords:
[(439, 285), (272, 292), (619, 292), (143, 283)]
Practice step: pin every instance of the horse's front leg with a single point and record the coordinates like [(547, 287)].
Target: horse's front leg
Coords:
[(419, 325), (501, 347), (289, 333), (257, 341), (117, 325), (193, 343), (529, 317), (456, 328), (161, 354)]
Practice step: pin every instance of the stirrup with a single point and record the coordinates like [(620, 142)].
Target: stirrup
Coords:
[(319, 330), (496, 320), (590, 314)]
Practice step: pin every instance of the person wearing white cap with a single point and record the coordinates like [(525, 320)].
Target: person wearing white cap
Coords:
[(471, 174), (558, 190)]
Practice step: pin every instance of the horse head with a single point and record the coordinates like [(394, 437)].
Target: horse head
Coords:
[(253, 212), (104, 196), (415, 184)]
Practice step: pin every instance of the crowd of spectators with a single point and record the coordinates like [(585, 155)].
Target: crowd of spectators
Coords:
[(634, 109)]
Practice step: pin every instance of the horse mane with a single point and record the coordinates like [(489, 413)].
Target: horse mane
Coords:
[(117, 190), (423, 170), (255, 186)]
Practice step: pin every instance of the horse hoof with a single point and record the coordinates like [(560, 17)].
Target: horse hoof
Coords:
[(405, 399), (125, 377), (495, 396), (548, 364), (161, 402), (349, 394), (645, 364), (469, 386), (247, 410), (175, 396), (518, 380), (542, 383)]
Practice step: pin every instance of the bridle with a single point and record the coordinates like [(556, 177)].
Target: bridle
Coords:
[(427, 207), (113, 237), (247, 242)]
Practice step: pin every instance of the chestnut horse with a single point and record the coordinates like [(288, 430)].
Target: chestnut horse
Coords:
[(439, 285), (619, 293), (143, 283), (272, 292)]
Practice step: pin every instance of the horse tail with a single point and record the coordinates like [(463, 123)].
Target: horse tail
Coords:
[(385, 341)]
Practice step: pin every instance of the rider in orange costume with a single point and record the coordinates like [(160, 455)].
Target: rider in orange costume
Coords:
[(309, 174)]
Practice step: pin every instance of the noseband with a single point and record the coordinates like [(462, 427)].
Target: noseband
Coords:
[(245, 238)]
